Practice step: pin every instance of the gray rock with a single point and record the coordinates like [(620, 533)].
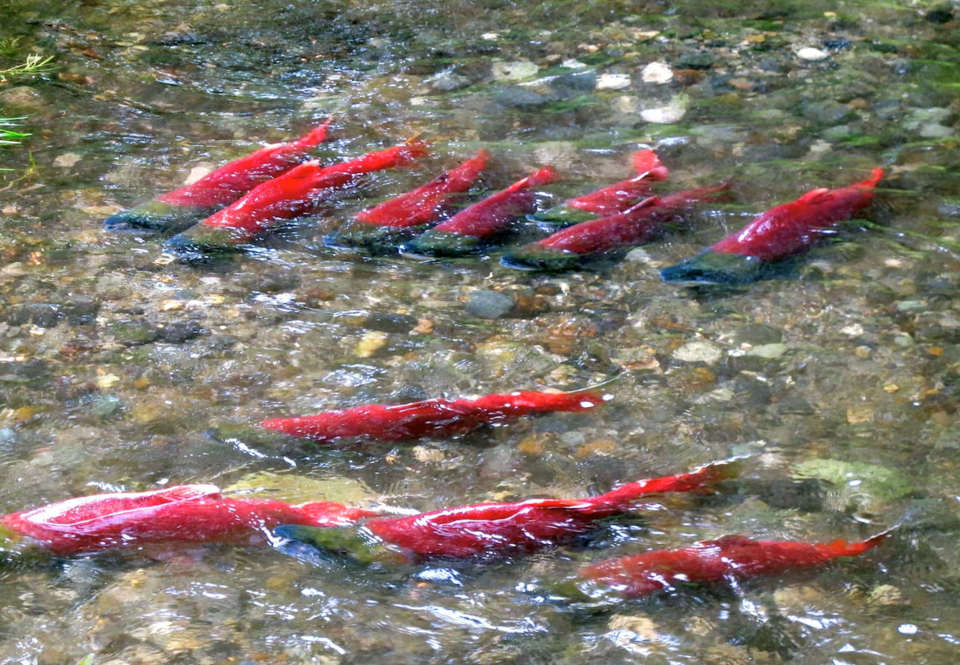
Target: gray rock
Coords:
[(448, 81), (696, 60), (519, 97), (8, 436), (81, 310), (768, 351), (133, 333), (44, 315), (489, 304), (178, 333), (827, 111), (390, 323), (757, 334), (576, 82), (22, 98), (936, 131)]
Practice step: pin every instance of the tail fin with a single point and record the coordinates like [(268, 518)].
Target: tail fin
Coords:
[(415, 147), (647, 164), (877, 175), (698, 480), (316, 136), (542, 177), (840, 548)]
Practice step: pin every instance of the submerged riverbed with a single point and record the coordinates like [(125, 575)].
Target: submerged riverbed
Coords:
[(841, 377)]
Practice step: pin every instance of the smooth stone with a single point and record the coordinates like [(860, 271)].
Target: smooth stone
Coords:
[(657, 72), (178, 333), (22, 97), (827, 111), (812, 54), (514, 71), (518, 97), (698, 352), (66, 160), (757, 334), (613, 82), (666, 115), (448, 81), (696, 61), (768, 351), (576, 82), (489, 304), (935, 131)]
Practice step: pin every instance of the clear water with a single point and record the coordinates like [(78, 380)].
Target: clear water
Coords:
[(851, 358)]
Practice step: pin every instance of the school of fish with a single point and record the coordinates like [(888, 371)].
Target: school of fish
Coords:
[(243, 200)]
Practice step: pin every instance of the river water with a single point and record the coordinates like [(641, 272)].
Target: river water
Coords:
[(839, 377)]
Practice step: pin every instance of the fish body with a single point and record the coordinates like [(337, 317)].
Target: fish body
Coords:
[(611, 199), (384, 227), (181, 514), (574, 245), (178, 210), (429, 418), (783, 231), (296, 193), (466, 231), (495, 529), (731, 557)]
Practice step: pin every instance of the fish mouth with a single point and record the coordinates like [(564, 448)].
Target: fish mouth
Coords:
[(715, 268)]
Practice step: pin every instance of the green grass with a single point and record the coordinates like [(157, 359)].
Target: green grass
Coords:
[(10, 136)]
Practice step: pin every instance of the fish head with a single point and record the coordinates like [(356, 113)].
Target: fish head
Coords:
[(539, 257), (711, 267), (442, 244)]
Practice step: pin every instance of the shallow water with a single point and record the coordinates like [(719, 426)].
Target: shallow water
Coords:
[(115, 363)]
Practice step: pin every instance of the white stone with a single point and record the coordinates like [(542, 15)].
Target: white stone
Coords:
[(198, 172), (657, 72), (698, 352), (812, 54), (613, 82), (665, 115), (854, 330), (572, 64), (514, 71)]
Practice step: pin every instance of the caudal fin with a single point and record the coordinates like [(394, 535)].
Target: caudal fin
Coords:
[(647, 164), (877, 175), (542, 177), (316, 136)]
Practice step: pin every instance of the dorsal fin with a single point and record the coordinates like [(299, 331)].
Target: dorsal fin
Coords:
[(646, 203), (814, 196)]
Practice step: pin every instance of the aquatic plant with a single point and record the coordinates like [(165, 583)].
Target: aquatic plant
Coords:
[(10, 136)]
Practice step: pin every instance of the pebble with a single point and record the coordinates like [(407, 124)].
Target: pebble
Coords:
[(768, 351), (657, 72), (664, 116), (514, 71), (489, 304), (199, 171), (22, 97), (613, 82), (936, 131), (66, 160), (812, 54), (448, 81), (698, 352), (370, 343), (516, 96)]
